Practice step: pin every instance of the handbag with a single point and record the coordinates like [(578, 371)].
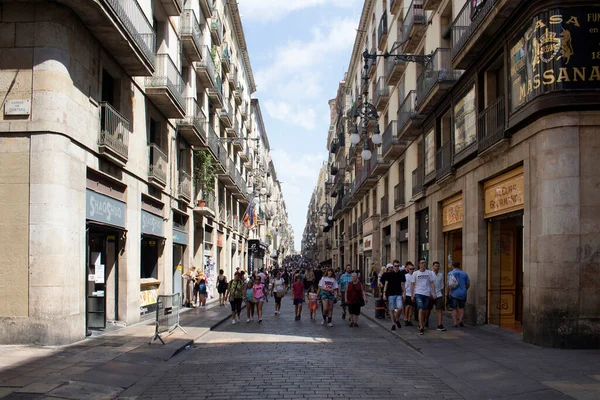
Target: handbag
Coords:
[(361, 301)]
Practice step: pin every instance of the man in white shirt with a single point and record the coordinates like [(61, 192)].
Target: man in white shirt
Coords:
[(407, 300), (438, 283), (423, 289)]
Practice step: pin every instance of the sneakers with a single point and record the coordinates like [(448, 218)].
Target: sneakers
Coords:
[(260, 320), (343, 315), (233, 322), (394, 327), (330, 325), (247, 320), (323, 322), (398, 324), (237, 318), (441, 328), (202, 307), (421, 331)]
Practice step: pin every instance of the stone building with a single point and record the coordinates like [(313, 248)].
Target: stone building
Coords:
[(115, 112), (489, 141)]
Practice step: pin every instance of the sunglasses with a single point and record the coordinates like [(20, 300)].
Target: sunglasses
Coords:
[(411, 269)]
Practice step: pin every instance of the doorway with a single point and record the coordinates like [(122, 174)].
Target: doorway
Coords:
[(453, 249), (505, 272)]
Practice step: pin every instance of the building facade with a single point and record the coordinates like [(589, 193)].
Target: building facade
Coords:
[(127, 145), (487, 156)]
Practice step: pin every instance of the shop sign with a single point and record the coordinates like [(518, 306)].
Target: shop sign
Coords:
[(152, 224), (553, 53), (104, 209), (452, 214), (180, 237), (368, 243), (505, 193), (220, 239)]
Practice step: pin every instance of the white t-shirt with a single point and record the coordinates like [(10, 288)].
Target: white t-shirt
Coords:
[(279, 285), (423, 282), (438, 281), (328, 283), (409, 280)]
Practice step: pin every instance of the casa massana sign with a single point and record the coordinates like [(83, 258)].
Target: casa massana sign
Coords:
[(557, 51)]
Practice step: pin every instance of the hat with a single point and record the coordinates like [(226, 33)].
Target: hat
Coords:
[(389, 266)]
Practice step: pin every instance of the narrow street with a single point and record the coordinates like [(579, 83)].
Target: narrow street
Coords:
[(286, 359)]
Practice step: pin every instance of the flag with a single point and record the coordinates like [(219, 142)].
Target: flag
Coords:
[(250, 216)]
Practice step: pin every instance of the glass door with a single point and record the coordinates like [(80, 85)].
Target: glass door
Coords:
[(96, 281)]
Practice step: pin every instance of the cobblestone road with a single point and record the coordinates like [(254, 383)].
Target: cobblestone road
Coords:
[(286, 359)]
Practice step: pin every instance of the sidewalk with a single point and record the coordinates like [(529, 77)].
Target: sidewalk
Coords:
[(478, 361), (119, 363)]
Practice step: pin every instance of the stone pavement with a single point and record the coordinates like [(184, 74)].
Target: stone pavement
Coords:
[(100, 367), (488, 362)]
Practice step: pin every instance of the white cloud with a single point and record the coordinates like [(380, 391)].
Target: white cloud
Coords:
[(305, 118), (268, 10)]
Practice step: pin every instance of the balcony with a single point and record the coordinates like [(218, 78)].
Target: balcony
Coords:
[(354, 229), (122, 28), (491, 126), (382, 31), (381, 96), (244, 153), (157, 166), (378, 164), (191, 35), (237, 144), (206, 205), (399, 196), (418, 178), (437, 77), (207, 8), (395, 6), (352, 153), (414, 26), (237, 94), (215, 94), (244, 112), (334, 146), (184, 189), (205, 69), (225, 115), (475, 26), (409, 120), (216, 28), (392, 148), (226, 58), (431, 5), (385, 206), (360, 225), (394, 69), (113, 138), (193, 127), (443, 162), (165, 88), (172, 7)]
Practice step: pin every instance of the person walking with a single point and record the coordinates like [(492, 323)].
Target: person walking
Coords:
[(393, 290), (202, 293), (438, 302), (259, 297), (328, 287), (278, 291), (313, 303), (309, 278), (235, 294), (298, 293), (221, 287), (458, 284), (343, 281), (373, 280), (249, 299), (356, 298), (407, 299), (423, 289)]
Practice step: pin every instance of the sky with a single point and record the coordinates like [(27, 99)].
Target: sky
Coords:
[(299, 50)]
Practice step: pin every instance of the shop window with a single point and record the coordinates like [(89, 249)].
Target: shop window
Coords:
[(429, 152), (465, 132)]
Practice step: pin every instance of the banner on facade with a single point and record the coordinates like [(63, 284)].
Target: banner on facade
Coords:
[(505, 193), (452, 214), (104, 209)]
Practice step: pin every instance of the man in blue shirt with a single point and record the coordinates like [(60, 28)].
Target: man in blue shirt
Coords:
[(343, 282), (458, 294)]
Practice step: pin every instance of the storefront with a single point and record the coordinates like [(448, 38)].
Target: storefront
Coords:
[(504, 203), (452, 227), (180, 242), (256, 255), (105, 219), (151, 251)]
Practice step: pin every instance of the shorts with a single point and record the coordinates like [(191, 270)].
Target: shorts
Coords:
[(457, 303), (298, 301), (327, 296), (438, 303), (312, 306), (236, 305), (353, 309), (394, 302), (408, 301), (422, 301), (343, 298), (261, 299)]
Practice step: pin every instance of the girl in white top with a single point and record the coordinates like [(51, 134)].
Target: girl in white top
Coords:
[(278, 291), (328, 288)]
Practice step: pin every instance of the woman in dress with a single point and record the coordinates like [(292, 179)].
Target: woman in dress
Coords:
[(328, 288), (221, 287)]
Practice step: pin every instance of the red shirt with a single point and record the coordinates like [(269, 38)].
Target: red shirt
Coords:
[(353, 291), (298, 289)]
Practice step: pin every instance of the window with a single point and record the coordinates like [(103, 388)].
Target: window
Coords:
[(465, 132), (429, 152)]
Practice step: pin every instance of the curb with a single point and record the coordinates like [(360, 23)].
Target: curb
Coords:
[(406, 342)]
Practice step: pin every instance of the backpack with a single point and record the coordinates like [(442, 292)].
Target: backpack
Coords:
[(452, 281)]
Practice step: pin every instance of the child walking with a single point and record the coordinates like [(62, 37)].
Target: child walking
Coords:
[(298, 290), (248, 296), (313, 299)]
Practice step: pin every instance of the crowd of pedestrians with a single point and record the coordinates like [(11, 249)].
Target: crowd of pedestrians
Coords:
[(404, 290)]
